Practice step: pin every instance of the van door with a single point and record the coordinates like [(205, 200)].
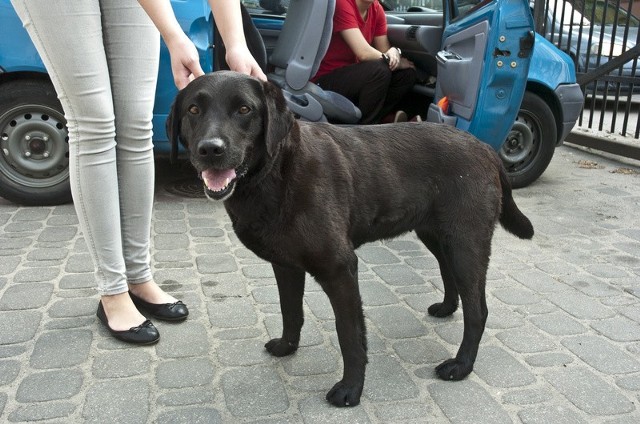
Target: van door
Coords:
[(483, 65)]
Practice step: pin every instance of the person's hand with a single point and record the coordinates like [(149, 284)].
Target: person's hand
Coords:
[(240, 59), (185, 62), (394, 58), (405, 63)]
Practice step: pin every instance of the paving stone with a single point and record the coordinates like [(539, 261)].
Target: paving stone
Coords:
[(254, 391), (558, 324), (215, 264), (170, 241), (387, 380), (80, 262), (526, 340), (527, 396), (374, 293), (224, 285), (196, 415), (378, 255), (550, 414), (592, 286), (36, 275), (120, 364), (310, 335), (312, 361), (73, 308), (539, 282), (187, 372), (183, 339), (516, 296), (9, 370), (478, 406), (243, 352), (618, 328), (421, 351), (26, 296), (396, 322), (403, 412), (601, 354), (43, 411), (231, 312), (61, 349), (10, 351), (259, 271), (266, 295), (582, 306), (398, 275), (77, 281), (319, 305), (588, 391), (18, 326), (450, 332), (3, 402), (501, 319), (57, 234), (500, 369), (605, 271), (119, 400), (47, 254), (551, 359), (188, 396), (50, 385), (631, 382), (316, 410), (169, 227)]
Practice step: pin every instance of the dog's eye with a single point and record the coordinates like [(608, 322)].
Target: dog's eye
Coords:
[(194, 110), (244, 110)]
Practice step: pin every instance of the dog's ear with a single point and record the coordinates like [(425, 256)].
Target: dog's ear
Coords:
[(277, 119), (173, 126)]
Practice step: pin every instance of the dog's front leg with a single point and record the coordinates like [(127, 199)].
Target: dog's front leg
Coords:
[(291, 289), (342, 288)]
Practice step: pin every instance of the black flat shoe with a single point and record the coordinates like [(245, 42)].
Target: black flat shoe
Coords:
[(165, 311), (145, 333)]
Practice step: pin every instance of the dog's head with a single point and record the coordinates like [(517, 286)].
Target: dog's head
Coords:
[(230, 123)]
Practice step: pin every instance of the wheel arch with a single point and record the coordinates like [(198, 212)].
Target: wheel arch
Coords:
[(549, 97)]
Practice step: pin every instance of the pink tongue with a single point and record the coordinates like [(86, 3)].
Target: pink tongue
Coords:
[(217, 179)]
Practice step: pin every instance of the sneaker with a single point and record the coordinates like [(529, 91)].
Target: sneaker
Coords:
[(401, 116), (416, 118)]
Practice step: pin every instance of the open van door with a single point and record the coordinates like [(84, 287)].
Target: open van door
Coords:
[(482, 66)]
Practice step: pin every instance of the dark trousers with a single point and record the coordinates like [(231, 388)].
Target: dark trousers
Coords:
[(371, 86)]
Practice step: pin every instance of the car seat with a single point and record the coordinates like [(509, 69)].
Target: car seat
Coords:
[(302, 43)]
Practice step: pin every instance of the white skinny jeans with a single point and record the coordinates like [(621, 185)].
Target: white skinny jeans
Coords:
[(102, 56)]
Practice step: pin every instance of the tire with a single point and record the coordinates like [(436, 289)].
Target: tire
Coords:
[(34, 159), (531, 142)]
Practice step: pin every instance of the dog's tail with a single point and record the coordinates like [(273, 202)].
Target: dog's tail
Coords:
[(511, 218)]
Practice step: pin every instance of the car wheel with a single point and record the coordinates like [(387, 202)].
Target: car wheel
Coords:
[(34, 161), (531, 142)]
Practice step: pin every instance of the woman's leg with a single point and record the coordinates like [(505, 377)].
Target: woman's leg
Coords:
[(365, 84)]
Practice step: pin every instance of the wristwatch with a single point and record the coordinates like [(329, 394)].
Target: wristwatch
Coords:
[(399, 51), (386, 58)]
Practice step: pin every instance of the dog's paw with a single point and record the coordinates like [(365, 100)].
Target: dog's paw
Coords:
[(441, 310), (280, 347), (343, 394), (453, 369)]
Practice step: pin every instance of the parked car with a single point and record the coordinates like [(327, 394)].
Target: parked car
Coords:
[(523, 106), (593, 34)]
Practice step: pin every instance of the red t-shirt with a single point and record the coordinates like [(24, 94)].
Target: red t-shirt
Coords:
[(347, 16)]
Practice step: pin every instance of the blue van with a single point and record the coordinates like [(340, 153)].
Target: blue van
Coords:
[(504, 83)]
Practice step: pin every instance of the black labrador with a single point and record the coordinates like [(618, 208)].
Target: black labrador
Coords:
[(304, 195)]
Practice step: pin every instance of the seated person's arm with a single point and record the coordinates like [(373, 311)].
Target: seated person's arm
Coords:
[(396, 61), (359, 46)]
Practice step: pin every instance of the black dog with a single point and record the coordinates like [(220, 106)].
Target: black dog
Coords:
[(304, 195)]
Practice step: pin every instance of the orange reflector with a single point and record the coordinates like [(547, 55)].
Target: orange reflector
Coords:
[(443, 104)]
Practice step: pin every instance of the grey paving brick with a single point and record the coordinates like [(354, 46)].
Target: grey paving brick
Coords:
[(49, 385), (183, 339), (592, 286), (215, 264), (43, 411), (3, 402), (498, 368), (10, 351), (539, 282), (23, 227), (601, 354), (588, 391), (374, 293), (243, 352), (26, 296), (558, 324), (550, 359), (516, 296), (618, 328), (170, 227), (387, 380), (254, 391), (18, 326), (231, 312), (186, 372), (188, 396), (403, 412), (122, 363), (119, 400), (57, 234), (36, 275), (310, 335), (75, 307), (170, 241), (527, 396), (396, 322), (631, 382), (478, 406), (582, 306), (77, 281), (316, 410), (312, 361), (262, 270), (9, 370), (450, 332), (31, 214), (61, 349), (421, 351), (80, 262), (398, 275), (557, 414), (378, 255), (526, 340), (195, 415), (319, 305), (8, 264)]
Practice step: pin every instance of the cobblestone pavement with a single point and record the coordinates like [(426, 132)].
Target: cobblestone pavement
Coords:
[(562, 343)]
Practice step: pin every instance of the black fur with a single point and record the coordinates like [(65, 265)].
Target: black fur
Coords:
[(313, 193)]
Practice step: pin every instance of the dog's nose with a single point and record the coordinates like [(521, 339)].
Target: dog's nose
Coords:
[(211, 148)]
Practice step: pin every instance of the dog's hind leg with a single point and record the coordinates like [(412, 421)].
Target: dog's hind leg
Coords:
[(291, 289), (450, 302), (340, 283), (468, 261)]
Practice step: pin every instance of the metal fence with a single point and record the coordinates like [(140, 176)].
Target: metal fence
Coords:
[(602, 38)]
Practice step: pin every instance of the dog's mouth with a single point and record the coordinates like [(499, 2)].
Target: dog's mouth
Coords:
[(219, 184)]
